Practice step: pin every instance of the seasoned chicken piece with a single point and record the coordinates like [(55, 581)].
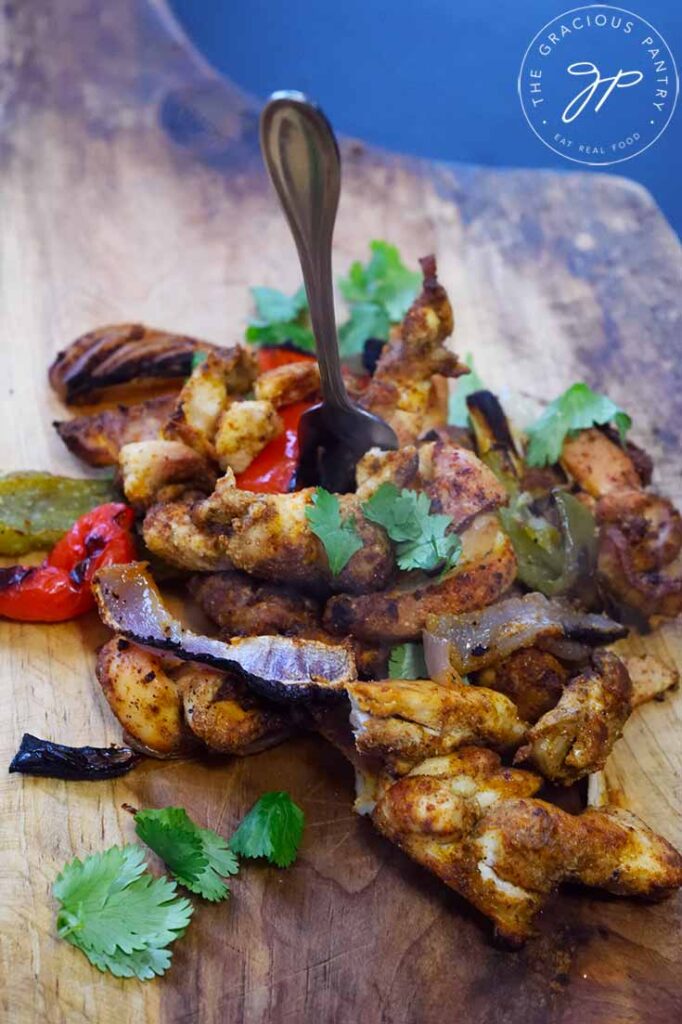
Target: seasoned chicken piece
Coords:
[(244, 429), (408, 389), (222, 713), (207, 393), (405, 721), (473, 824), (640, 537), (268, 535), (576, 737), (143, 696), (290, 383), (97, 439), (162, 470), (170, 532), (457, 482), (247, 607), (487, 567), (650, 678), (531, 678), (121, 354), (598, 464)]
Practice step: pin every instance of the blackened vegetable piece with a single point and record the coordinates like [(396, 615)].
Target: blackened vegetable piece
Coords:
[(56, 761)]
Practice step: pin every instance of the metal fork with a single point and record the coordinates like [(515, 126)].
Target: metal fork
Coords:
[(302, 157)]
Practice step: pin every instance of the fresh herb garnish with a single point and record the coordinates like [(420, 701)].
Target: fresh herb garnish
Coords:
[(367, 320), (198, 858), (198, 357), (419, 535), (462, 387), (272, 828), (339, 537), (281, 318), (406, 661), (384, 281), (118, 914), (577, 409)]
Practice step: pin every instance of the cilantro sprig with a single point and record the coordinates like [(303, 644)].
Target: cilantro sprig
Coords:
[(577, 409), (406, 661), (272, 829), (339, 536), (197, 857), (124, 919), (378, 293), (118, 914), (420, 537), (281, 318)]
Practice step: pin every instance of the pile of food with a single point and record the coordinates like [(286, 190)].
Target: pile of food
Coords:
[(448, 625)]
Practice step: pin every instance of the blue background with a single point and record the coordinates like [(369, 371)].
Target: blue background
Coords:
[(435, 78)]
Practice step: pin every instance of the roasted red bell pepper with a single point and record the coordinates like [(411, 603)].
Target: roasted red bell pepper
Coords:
[(279, 355), (272, 471), (59, 589)]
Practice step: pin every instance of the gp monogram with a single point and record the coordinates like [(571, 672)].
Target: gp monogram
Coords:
[(598, 85)]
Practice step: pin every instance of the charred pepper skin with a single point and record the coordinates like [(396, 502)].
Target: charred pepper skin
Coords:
[(57, 761)]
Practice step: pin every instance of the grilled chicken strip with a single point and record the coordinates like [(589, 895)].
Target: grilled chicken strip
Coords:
[(165, 706), (408, 388), (640, 538), (472, 822), (162, 470), (97, 439), (456, 481), (268, 536), (170, 532), (293, 382), (486, 569), (576, 737), (533, 679), (404, 721)]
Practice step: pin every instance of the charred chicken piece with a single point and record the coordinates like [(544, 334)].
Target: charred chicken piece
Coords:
[(456, 481), (405, 721), (206, 395), (487, 567), (650, 677), (576, 737), (533, 679), (268, 536), (97, 439), (144, 697), (170, 532), (160, 470), (473, 824), (408, 388), (121, 354), (148, 694), (640, 536), (224, 715), (293, 382)]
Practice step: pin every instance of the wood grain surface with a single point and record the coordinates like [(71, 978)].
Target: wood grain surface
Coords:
[(131, 189)]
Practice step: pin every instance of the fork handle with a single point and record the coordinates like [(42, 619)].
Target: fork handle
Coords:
[(302, 158)]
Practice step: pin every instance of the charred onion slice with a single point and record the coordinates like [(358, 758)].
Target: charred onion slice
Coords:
[(129, 603), (474, 640), (56, 761), (118, 354)]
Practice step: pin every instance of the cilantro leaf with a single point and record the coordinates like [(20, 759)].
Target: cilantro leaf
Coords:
[(339, 537), (118, 914), (280, 318), (196, 857), (458, 414), (578, 408), (272, 828), (367, 320), (384, 281), (198, 357), (420, 536), (406, 661)]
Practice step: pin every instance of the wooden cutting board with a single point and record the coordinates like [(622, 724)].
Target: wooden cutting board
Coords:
[(131, 189)]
